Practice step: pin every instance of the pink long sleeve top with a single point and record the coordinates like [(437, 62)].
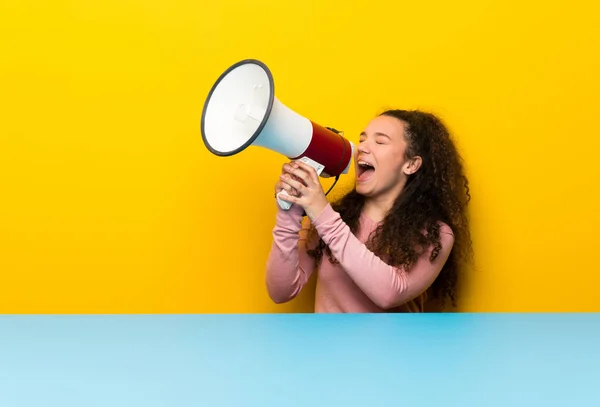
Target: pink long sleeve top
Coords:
[(361, 281)]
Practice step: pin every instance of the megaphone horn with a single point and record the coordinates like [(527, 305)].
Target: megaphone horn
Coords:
[(241, 110)]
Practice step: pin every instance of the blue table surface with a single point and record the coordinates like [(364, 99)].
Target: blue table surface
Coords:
[(300, 360)]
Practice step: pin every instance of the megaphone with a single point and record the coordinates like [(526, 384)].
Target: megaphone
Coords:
[(241, 110)]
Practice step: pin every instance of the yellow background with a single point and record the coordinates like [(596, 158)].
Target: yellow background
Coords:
[(111, 203)]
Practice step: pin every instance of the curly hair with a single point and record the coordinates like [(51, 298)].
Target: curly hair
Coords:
[(437, 192)]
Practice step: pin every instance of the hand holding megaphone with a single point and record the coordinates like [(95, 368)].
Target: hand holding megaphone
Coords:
[(299, 184), (283, 187), (241, 110)]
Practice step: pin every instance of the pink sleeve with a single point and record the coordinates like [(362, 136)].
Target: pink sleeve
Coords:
[(289, 266), (385, 285)]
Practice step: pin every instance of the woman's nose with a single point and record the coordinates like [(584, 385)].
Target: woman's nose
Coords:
[(363, 148)]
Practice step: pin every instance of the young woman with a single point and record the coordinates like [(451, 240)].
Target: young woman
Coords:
[(395, 242)]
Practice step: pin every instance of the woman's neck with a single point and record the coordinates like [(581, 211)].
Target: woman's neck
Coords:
[(377, 208)]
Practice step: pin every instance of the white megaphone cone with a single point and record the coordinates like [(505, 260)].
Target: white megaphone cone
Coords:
[(241, 110)]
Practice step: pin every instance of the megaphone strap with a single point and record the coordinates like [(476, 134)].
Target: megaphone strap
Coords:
[(337, 177)]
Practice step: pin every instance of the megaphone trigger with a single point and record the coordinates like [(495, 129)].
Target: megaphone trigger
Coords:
[(318, 167)]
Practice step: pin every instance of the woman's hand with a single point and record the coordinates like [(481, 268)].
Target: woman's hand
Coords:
[(302, 184), (282, 185)]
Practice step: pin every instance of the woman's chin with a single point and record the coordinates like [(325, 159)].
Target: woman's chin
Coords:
[(364, 189)]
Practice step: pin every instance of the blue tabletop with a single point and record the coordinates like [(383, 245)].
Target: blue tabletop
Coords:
[(300, 360)]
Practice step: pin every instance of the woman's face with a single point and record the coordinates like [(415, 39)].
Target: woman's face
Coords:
[(381, 165)]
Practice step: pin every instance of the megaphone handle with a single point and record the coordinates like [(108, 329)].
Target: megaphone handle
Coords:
[(285, 205)]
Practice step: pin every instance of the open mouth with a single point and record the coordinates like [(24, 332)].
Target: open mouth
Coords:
[(364, 170)]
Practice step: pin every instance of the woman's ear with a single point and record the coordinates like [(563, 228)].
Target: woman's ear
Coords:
[(413, 165)]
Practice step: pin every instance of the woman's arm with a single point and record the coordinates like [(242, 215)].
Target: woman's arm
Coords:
[(385, 285), (289, 266)]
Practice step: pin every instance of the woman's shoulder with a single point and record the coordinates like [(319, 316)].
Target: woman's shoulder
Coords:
[(447, 237), (445, 228)]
